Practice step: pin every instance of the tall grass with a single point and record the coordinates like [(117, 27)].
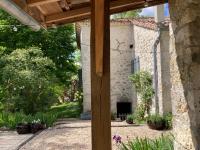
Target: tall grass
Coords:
[(10, 120), (161, 143), (67, 110)]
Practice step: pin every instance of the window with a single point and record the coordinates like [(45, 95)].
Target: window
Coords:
[(135, 65)]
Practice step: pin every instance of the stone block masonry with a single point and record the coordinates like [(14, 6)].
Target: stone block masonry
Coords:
[(130, 39), (185, 72), (121, 56)]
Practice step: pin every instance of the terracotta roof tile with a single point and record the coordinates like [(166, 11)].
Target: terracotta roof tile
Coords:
[(148, 23), (145, 22)]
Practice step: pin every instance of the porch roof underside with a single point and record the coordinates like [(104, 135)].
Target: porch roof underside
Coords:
[(57, 12)]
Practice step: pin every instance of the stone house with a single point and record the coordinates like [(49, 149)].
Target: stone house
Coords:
[(132, 42)]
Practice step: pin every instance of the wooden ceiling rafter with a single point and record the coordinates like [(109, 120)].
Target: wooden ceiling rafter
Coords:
[(84, 13), (33, 3), (59, 12)]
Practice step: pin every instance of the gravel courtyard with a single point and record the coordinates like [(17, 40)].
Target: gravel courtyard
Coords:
[(76, 135)]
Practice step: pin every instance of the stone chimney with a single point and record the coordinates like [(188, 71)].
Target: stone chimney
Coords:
[(159, 13)]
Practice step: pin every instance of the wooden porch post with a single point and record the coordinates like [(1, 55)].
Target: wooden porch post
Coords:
[(100, 74)]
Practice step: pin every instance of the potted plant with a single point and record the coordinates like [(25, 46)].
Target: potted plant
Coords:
[(23, 128), (36, 126), (156, 122), (130, 119)]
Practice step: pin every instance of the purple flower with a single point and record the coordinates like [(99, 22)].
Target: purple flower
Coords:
[(117, 139)]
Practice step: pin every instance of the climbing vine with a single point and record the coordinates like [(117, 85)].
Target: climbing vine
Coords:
[(142, 81)]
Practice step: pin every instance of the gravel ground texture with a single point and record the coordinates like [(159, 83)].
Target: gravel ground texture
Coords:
[(71, 134), (10, 140)]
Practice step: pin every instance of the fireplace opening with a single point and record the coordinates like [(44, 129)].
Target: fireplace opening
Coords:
[(123, 109)]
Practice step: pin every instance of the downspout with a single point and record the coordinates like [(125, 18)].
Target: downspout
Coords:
[(155, 70), (14, 10)]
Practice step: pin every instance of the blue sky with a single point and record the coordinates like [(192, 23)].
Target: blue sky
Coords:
[(150, 11)]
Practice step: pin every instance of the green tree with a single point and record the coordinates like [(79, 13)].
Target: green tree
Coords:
[(128, 14), (27, 80), (58, 44)]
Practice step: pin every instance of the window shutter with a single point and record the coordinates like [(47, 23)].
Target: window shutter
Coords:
[(135, 65)]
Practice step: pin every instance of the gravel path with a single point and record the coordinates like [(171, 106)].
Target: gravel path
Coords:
[(76, 135), (10, 140)]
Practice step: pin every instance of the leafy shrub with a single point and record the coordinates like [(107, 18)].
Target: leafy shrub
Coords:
[(1, 107), (79, 99), (161, 143), (143, 84), (140, 112), (67, 110), (27, 80), (155, 118), (168, 121), (142, 81), (11, 120)]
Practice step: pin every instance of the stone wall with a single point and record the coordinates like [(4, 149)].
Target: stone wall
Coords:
[(121, 56), (185, 72), (144, 40), (129, 41), (163, 63), (143, 43), (85, 59)]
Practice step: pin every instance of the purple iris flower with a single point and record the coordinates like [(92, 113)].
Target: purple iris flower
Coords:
[(117, 139)]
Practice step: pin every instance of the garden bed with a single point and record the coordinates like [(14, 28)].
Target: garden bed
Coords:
[(66, 110)]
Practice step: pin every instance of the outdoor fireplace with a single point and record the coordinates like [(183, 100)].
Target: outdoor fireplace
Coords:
[(123, 109)]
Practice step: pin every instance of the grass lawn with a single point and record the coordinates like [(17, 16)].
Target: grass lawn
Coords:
[(66, 110)]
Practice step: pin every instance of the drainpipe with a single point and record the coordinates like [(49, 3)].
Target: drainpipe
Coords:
[(155, 70), (14, 10)]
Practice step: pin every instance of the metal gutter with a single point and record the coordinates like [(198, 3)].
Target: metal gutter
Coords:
[(14, 10)]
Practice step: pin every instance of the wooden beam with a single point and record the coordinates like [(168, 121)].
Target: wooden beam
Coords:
[(79, 13), (115, 7), (68, 21), (99, 34), (33, 3), (134, 6), (41, 10), (100, 84), (21, 4)]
